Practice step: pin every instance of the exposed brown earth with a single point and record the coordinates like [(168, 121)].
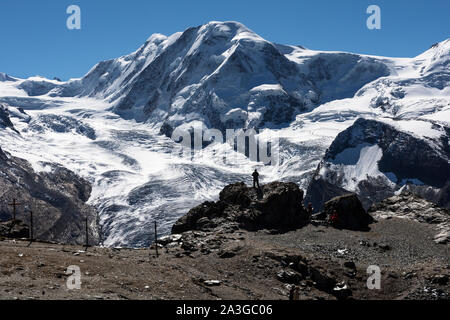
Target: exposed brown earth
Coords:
[(248, 266)]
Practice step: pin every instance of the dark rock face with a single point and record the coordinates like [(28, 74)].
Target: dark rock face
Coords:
[(3, 156), (166, 130), (405, 159), (57, 199), (5, 121), (351, 214), (14, 229), (403, 154), (444, 196), (274, 206), (321, 191)]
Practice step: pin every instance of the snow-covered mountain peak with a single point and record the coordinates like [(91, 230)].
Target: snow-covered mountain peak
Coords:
[(225, 28), (5, 77), (435, 59), (232, 30), (109, 125), (156, 37)]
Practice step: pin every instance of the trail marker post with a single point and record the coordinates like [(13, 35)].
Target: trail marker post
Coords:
[(14, 204), (87, 233), (156, 240), (31, 227)]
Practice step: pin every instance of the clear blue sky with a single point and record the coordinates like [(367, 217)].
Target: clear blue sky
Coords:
[(34, 39)]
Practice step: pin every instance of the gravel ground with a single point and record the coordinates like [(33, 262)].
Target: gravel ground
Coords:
[(390, 243), (245, 265)]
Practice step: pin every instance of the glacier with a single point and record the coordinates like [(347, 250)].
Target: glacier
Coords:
[(113, 126)]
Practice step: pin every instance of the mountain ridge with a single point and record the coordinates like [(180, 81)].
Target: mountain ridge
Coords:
[(113, 126)]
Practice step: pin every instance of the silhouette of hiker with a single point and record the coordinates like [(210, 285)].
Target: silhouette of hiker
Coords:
[(310, 210), (255, 179)]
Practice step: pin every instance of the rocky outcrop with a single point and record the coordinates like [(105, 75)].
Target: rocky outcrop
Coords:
[(274, 206), (375, 159), (3, 156), (320, 191), (57, 198), (351, 214), (409, 206), (5, 121)]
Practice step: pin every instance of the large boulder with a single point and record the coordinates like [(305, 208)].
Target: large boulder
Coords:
[(351, 214), (274, 206)]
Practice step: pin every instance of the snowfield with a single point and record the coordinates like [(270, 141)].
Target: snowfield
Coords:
[(108, 125)]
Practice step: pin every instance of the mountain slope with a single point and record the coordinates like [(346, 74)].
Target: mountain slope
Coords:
[(56, 197), (377, 159), (110, 126)]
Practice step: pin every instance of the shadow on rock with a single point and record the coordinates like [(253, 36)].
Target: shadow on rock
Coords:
[(276, 206)]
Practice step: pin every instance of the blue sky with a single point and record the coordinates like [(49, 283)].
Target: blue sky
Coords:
[(34, 39)]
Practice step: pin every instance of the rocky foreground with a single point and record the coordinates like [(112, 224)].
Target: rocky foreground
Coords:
[(252, 244)]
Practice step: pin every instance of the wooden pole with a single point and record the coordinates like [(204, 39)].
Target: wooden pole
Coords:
[(31, 226), (87, 234), (156, 240), (14, 208), (14, 204)]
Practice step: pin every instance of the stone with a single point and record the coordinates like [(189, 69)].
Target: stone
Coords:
[(212, 283), (350, 265), (288, 276), (226, 254), (322, 279), (275, 206), (351, 214), (342, 291), (169, 239), (441, 279)]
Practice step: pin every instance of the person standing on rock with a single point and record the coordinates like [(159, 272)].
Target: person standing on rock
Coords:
[(310, 210), (256, 179)]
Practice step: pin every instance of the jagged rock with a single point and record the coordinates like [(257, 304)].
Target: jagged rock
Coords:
[(342, 291), (57, 197), (166, 130), (14, 229), (3, 156), (407, 205), (420, 165), (323, 280), (169, 239), (189, 222), (351, 214), (288, 276), (276, 206), (5, 121), (441, 279), (236, 194)]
